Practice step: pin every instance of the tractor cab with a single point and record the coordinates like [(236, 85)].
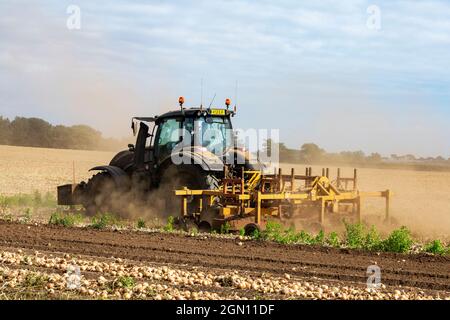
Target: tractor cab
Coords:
[(204, 136)]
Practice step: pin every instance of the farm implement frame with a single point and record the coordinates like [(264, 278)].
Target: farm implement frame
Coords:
[(249, 200)]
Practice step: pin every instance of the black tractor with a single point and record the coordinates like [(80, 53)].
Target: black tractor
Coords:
[(188, 147)]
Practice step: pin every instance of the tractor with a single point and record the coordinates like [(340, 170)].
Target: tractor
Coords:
[(187, 147), (190, 159)]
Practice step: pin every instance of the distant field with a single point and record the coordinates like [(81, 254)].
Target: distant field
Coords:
[(25, 170), (421, 200)]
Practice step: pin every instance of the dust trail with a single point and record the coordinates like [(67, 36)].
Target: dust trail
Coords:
[(137, 202), (420, 199)]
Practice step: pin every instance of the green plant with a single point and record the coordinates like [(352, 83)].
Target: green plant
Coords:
[(193, 231), (242, 232), (304, 237), (333, 240), (141, 223), (169, 225), (436, 247), (28, 215), (319, 238), (372, 240), (273, 230), (398, 241), (354, 235), (65, 220), (256, 234), (8, 217), (288, 236), (102, 221), (35, 280), (225, 228), (126, 282)]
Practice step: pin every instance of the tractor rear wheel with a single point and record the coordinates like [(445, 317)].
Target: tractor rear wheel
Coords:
[(97, 197), (102, 195), (177, 177)]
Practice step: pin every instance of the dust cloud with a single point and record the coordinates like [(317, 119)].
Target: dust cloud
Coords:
[(420, 199)]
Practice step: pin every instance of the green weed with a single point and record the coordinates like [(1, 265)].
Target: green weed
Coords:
[(65, 220), (225, 228), (398, 241), (333, 240), (141, 223), (436, 247), (102, 221), (126, 282), (373, 240), (169, 227), (354, 235)]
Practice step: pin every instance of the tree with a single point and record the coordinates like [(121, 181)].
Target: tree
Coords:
[(310, 152), (5, 131), (32, 132), (35, 132), (374, 158)]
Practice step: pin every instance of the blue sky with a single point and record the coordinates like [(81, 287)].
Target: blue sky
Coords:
[(313, 69)]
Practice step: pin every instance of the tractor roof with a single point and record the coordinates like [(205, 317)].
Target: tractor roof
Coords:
[(191, 112)]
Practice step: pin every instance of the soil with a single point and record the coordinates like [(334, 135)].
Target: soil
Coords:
[(414, 270)]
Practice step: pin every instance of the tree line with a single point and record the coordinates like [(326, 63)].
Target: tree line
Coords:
[(311, 153), (35, 132)]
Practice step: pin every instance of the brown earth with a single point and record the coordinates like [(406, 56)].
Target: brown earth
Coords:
[(420, 271)]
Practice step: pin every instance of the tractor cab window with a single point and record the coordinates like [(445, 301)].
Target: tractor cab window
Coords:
[(215, 134), (168, 137)]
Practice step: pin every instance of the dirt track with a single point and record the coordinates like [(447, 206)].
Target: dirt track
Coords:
[(421, 271)]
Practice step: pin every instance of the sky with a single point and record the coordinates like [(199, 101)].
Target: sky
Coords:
[(347, 75)]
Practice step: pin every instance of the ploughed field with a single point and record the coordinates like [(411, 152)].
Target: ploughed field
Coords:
[(37, 261)]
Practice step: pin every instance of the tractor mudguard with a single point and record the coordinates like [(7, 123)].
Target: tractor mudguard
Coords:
[(119, 176), (123, 160)]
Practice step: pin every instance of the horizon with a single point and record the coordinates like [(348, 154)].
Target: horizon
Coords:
[(318, 72), (125, 138)]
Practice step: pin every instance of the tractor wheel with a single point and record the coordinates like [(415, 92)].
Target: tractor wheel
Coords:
[(207, 217), (177, 177), (251, 228), (98, 195), (185, 224), (204, 226)]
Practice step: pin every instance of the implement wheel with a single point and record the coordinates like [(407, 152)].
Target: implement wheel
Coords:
[(251, 228), (204, 226)]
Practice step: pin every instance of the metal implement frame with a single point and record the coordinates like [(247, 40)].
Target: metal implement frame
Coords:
[(257, 195)]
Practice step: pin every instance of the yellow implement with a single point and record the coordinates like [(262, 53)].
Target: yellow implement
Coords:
[(251, 197)]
